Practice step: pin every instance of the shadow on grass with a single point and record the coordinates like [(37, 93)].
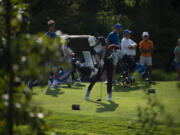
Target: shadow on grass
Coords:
[(35, 93), (102, 107), (135, 86), (72, 86), (55, 92)]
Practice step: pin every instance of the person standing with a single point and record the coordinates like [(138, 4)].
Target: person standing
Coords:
[(146, 48), (68, 54), (52, 35), (104, 60), (177, 59), (113, 38), (51, 29), (128, 47)]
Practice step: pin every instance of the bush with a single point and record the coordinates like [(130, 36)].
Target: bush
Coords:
[(158, 75), (161, 75)]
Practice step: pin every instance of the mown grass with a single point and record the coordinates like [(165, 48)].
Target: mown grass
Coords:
[(103, 118)]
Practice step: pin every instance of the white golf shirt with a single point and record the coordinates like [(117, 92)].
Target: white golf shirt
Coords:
[(125, 44), (98, 48)]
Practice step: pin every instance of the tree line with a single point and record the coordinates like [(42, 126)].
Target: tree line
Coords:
[(97, 17)]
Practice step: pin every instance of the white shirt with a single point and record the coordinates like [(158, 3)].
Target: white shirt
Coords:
[(67, 57), (125, 44), (98, 48)]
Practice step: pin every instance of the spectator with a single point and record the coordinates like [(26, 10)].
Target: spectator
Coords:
[(51, 33), (177, 58), (128, 47), (51, 29), (146, 48), (68, 54), (113, 38)]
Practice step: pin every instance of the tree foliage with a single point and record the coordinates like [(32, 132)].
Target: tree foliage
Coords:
[(23, 56), (97, 17)]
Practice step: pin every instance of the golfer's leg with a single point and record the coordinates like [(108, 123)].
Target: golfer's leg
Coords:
[(104, 76), (93, 80), (114, 73)]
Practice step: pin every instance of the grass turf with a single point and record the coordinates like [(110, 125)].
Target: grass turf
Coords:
[(102, 118)]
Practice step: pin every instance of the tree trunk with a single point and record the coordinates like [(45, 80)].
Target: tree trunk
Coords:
[(9, 65)]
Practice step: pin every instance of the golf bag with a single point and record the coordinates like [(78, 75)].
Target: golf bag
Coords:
[(142, 70), (126, 66), (82, 70)]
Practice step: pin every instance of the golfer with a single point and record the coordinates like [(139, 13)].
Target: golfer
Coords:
[(146, 48), (113, 38), (105, 62), (128, 47), (177, 59)]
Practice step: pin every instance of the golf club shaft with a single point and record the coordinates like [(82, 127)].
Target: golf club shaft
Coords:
[(101, 90), (101, 85)]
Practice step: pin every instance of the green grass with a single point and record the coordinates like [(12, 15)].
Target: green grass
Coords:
[(159, 75), (102, 118)]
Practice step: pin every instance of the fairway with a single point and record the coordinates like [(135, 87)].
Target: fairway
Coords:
[(93, 114)]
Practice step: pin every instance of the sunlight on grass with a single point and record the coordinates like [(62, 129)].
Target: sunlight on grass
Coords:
[(96, 117)]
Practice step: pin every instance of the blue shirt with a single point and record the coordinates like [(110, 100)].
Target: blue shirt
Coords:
[(113, 38), (51, 35)]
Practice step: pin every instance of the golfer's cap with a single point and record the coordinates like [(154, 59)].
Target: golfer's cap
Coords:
[(145, 34), (92, 41), (126, 31), (117, 26)]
